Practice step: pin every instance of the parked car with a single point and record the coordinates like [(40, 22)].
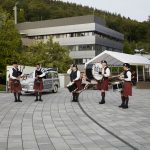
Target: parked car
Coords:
[(50, 82)]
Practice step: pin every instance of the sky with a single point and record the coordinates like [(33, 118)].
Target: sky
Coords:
[(135, 9)]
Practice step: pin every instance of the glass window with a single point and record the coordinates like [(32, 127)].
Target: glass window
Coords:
[(55, 75), (49, 75)]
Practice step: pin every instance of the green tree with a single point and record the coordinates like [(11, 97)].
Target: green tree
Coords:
[(49, 54), (10, 41)]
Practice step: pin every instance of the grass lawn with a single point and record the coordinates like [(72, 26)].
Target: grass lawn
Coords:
[(2, 87)]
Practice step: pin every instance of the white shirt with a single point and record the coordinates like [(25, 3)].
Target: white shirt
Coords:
[(128, 75), (78, 74), (107, 72), (42, 75)]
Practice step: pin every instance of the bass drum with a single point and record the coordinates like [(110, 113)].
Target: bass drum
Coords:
[(94, 71)]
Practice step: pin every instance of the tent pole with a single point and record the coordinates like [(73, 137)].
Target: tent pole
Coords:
[(149, 70), (137, 72), (143, 73)]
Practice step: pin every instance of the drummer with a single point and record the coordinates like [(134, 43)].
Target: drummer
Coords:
[(75, 77), (127, 86), (103, 84)]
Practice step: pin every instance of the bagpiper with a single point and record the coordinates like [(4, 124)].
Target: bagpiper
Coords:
[(38, 82), (14, 80), (127, 86)]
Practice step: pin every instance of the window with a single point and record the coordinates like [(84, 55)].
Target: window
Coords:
[(55, 75), (49, 75)]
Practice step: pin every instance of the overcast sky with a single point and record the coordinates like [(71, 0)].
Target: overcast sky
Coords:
[(135, 9)]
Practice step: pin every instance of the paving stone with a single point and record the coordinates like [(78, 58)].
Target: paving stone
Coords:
[(59, 124)]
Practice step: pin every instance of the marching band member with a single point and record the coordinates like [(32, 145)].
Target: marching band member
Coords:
[(103, 85), (14, 80), (127, 86), (38, 82), (75, 77)]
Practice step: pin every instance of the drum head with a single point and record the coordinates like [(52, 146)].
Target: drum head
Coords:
[(93, 71), (96, 71)]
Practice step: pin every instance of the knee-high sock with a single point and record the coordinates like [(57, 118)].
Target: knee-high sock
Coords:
[(40, 95), (19, 96), (15, 95), (123, 101), (36, 95), (126, 101), (103, 96)]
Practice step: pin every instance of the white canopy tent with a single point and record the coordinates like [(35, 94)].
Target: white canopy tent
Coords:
[(117, 59)]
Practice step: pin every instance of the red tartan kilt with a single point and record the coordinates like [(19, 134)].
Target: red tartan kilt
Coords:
[(103, 85), (38, 86), (15, 86), (127, 89), (78, 84)]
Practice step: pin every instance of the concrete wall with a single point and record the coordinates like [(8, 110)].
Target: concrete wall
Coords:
[(64, 79)]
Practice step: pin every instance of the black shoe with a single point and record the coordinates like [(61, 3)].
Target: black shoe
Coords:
[(121, 106), (36, 100), (74, 101), (125, 107), (40, 100), (19, 100), (15, 100), (102, 102)]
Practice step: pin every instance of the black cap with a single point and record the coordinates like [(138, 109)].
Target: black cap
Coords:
[(104, 61), (126, 65), (74, 65), (15, 63)]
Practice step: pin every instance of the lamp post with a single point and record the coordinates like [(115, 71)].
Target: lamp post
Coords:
[(139, 50), (15, 12)]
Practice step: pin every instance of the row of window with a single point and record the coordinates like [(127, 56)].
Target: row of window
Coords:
[(81, 61), (89, 47), (76, 34)]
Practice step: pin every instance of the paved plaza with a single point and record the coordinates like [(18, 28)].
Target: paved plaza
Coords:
[(58, 124)]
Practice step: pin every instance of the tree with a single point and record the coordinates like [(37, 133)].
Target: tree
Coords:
[(10, 41), (49, 54)]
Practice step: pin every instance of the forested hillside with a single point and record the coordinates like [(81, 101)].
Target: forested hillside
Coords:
[(137, 35)]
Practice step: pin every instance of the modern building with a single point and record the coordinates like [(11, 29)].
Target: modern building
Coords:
[(85, 36)]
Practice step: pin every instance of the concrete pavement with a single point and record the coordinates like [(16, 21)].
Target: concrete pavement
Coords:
[(58, 124)]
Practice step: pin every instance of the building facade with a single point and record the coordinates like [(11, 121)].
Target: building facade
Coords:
[(84, 36)]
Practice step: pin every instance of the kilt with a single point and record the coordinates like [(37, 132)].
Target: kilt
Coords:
[(38, 85), (15, 86), (103, 85), (127, 89), (78, 84)]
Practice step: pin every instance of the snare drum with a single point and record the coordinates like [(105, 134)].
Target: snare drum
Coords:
[(72, 87), (93, 71), (117, 86)]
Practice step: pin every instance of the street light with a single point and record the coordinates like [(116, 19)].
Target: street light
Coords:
[(15, 12), (139, 50)]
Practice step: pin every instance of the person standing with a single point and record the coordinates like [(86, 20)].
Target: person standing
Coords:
[(38, 82), (15, 85), (103, 84), (75, 77), (133, 77), (127, 86)]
